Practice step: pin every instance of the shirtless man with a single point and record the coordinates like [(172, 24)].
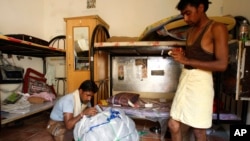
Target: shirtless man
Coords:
[(206, 51)]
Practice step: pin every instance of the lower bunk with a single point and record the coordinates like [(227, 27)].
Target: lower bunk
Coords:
[(228, 111)]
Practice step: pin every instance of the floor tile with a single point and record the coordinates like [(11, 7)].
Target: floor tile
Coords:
[(40, 136)]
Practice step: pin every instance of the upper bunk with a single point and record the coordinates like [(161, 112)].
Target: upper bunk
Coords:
[(11, 45), (143, 48), (155, 40)]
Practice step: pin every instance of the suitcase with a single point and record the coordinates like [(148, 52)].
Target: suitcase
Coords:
[(29, 39)]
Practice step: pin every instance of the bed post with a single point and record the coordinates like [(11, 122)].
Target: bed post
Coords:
[(99, 28)]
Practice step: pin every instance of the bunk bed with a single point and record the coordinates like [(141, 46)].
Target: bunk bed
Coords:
[(226, 108), (14, 46), (11, 45)]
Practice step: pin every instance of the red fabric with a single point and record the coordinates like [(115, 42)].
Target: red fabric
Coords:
[(35, 82)]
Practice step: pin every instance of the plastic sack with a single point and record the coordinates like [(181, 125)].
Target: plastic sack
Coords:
[(109, 125)]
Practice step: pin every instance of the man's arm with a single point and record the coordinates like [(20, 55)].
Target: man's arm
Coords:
[(220, 34), (70, 120)]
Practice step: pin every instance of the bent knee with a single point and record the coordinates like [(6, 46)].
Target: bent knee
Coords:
[(174, 125)]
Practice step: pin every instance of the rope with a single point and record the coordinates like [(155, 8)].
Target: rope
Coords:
[(114, 114)]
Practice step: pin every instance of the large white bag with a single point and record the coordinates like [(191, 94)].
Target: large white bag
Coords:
[(109, 125)]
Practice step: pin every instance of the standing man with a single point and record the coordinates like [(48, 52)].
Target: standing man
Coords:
[(69, 109), (206, 51)]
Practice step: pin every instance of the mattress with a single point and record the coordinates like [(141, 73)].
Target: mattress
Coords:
[(139, 43), (159, 110)]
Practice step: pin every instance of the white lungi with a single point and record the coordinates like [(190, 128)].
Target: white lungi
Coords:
[(193, 101)]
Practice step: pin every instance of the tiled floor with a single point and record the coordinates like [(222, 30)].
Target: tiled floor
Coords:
[(28, 129), (143, 126), (33, 129)]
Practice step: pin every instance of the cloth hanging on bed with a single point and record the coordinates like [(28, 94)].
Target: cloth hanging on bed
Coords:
[(50, 74), (174, 28)]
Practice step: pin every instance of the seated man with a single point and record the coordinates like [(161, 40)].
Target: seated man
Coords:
[(69, 109)]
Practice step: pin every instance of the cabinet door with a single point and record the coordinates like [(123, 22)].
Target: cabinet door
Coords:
[(79, 31)]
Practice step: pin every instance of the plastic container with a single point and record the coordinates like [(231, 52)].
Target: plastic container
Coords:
[(244, 31)]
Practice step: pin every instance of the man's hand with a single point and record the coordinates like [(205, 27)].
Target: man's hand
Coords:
[(90, 111), (178, 55)]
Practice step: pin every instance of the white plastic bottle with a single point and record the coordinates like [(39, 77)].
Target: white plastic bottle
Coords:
[(244, 31)]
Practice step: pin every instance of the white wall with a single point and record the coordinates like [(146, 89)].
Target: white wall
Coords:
[(44, 18), (22, 17), (237, 8), (125, 17)]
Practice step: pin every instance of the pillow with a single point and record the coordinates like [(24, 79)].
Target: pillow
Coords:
[(122, 98), (151, 30), (36, 100), (45, 95), (37, 85), (35, 82), (175, 27)]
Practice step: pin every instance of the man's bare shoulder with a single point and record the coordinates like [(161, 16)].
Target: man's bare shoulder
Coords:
[(218, 26)]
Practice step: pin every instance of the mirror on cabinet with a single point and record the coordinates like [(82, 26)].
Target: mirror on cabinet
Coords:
[(81, 47)]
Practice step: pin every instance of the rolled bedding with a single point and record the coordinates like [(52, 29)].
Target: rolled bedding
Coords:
[(108, 125)]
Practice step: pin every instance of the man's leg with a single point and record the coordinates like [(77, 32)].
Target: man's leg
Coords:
[(67, 136), (200, 134), (186, 132), (175, 129), (58, 138)]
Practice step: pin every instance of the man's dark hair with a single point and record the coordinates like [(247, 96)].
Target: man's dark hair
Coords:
[(183, 3), (89, 85)]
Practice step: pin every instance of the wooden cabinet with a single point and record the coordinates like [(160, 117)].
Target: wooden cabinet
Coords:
[(78, 37)]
